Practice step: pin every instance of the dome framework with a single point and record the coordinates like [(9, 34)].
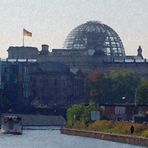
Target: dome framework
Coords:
[(97, 36)]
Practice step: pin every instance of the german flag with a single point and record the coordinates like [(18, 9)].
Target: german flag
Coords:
[(26, 33)]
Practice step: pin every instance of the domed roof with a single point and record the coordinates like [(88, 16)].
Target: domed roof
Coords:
[(97, 36)]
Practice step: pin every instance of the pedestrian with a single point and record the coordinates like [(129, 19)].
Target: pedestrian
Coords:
[(132, 129)]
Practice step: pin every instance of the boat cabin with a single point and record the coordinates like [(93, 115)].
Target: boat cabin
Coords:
[(11, 124)]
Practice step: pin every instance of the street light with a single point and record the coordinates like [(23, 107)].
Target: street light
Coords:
[(74, 118), (123, 98), (135, 98)]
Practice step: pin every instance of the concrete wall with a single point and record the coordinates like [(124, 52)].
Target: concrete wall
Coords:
[(134, 140)]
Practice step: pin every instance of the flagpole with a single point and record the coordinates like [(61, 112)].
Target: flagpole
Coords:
[(23, 37)]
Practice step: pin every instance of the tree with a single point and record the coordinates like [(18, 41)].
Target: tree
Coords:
[(74, 114), (120, 84), (96, 87), (113, 87), (142, 92), (81, 113)]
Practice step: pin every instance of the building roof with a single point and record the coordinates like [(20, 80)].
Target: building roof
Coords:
[(22, 48), (97, 36)]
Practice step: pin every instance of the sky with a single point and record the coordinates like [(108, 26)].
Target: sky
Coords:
[(50, 21)]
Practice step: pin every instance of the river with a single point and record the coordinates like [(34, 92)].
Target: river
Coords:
[(51, 138)]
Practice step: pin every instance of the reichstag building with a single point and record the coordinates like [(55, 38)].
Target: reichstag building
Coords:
[(60, 77)]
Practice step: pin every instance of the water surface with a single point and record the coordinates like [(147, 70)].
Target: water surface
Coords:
[(49, 138)]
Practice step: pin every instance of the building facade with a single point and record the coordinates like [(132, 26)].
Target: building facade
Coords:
[(60, 77), (44, 84)]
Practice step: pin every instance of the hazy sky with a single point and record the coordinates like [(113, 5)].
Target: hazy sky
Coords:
[(51, 20)]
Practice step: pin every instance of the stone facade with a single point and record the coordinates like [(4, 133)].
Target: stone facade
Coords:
[(60, 77), (22, 52), (87, 62), (52, 83), (44, 84)]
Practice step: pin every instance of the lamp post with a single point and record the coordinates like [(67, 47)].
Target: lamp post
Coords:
[(135, 98), (74, 118)]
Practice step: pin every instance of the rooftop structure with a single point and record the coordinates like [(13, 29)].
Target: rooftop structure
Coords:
[(97, 36), (22, 52)]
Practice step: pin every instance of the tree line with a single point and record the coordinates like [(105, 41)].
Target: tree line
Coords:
[(118, 87)]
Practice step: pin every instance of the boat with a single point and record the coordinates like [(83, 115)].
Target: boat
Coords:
[(11, 124)]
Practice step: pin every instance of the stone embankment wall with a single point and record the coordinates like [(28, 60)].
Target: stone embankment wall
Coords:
[(134, 140), (41, 120)]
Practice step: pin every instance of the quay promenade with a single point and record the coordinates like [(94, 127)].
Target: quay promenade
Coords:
[(135, 140)]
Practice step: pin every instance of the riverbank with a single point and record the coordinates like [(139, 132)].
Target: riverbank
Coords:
[(129, 139)]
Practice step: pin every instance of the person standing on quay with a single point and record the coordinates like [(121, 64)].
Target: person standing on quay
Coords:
[(132, 129)]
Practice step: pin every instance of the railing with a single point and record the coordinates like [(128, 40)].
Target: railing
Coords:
[(126, 61), (18, 60)]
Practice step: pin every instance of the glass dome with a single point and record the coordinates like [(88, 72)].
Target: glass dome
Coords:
[(97, 36)]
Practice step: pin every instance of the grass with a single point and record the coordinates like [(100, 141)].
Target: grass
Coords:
[(115, 127)]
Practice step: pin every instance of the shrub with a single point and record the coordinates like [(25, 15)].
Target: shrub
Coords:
[(122, 127), (145, 133), (139, 128), (79, 125), (119, 127), (101, 125)]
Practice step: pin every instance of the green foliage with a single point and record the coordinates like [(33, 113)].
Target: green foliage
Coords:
[(113, 87), (86, 115), (145, 133), (79, 113), (74, 113), (101, 125), (96, 86), (142, 92), (121, 84), (119, 127), (79, 125)]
